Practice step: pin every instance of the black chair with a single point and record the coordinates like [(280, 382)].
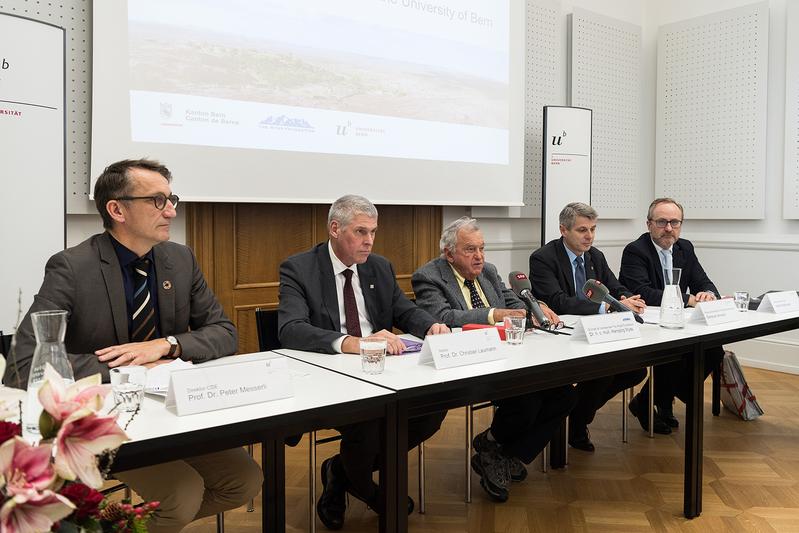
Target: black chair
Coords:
[(5, 343)]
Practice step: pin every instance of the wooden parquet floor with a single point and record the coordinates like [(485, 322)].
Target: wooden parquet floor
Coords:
[(751, 478)]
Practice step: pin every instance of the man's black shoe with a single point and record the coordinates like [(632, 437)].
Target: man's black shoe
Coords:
[(494, 474), (639, 409), (374, 502), (582, 441), (332, 503), (667, 415)]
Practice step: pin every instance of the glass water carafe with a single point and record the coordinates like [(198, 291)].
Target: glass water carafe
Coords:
[(50, 328), (671, 305)]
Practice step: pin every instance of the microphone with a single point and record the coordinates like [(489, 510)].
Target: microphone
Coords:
[(521, 286), (598, 293)]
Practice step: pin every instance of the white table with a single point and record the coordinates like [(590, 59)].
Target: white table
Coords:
[(321, 399), (544, 361)]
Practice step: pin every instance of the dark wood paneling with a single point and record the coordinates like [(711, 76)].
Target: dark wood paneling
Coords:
[(240, 247)]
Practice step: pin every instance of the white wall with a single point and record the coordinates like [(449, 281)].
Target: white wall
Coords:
[(755, 255)]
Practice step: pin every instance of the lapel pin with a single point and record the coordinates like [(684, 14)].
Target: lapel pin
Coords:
[(371, 286), (167, 285)]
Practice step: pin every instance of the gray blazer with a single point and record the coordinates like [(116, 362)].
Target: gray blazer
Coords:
[(86, 281), (437, 292)]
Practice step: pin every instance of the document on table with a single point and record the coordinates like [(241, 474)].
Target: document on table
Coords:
[(158, 376)]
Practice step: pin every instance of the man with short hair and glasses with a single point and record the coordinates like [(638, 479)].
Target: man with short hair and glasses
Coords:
[(642, 270), (134, 298)]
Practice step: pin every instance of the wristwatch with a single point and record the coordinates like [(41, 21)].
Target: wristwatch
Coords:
[(173, 346)]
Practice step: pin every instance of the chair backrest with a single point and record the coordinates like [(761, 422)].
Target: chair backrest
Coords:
[(266, 325)]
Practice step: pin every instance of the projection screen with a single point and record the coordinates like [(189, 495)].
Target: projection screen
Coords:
[(402, 101)]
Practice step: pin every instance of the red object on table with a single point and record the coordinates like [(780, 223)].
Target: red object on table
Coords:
[(500, 328)]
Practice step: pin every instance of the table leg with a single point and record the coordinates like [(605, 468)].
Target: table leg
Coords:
[(558, 447), (390, 482), (273, 495), (692, 506)]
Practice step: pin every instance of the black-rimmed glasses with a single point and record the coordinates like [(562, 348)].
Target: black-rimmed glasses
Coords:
[(662, 222), (159, 200)]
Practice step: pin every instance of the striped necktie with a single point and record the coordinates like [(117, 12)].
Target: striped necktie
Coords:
[(142, 323)]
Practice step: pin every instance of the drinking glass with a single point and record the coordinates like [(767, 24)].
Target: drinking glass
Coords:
[(514, 329), (373, 355), (741, 300), (127, 384)]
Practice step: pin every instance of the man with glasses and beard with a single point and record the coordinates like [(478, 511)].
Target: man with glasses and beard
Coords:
[(642, 265)]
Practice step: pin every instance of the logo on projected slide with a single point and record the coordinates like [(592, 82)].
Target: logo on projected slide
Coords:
[(343, 129), (282, 122), (166, 110)]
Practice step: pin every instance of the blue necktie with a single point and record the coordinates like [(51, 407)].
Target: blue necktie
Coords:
[(579, 277), (667, 265)]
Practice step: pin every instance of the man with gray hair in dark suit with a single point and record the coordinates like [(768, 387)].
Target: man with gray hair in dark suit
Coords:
[(331, 296), (459, 288)]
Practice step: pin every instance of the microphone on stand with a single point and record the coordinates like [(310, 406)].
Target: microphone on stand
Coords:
[(520, 285), (598, 293)]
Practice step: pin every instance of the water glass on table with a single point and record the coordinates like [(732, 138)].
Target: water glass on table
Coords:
[(514, 329), (741, 300), (127, 384), (373, 355)]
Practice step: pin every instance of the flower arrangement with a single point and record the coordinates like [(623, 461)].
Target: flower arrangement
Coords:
[(53, 485)]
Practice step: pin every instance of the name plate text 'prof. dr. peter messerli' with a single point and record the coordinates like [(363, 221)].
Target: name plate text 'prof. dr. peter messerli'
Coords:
[(211, 387)]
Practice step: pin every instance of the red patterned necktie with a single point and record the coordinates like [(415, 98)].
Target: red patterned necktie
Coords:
[(351, 307)]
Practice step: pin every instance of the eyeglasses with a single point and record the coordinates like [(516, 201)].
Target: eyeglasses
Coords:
[(662, 222), (159, 200)]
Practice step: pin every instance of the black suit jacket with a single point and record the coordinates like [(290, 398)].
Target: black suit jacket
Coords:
[(551, 276), (437, 292), (86, 281), (642, 271), (308, 317)]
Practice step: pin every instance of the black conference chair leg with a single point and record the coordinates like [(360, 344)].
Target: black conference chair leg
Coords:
[(312, 481), (716, 378), (468, 448), (651, 406), (421, 478)]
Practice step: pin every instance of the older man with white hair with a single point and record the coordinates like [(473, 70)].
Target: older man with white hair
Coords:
[(459, 288)]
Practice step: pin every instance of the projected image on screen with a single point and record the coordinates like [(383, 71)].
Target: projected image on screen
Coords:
[(398, 78)]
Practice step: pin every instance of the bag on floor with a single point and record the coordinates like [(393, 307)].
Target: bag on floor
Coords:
[(735, 393)]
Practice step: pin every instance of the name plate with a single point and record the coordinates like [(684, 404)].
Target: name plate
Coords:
[(780, 302), (716, 312), (605, 328), (463, 348), (209, 388)]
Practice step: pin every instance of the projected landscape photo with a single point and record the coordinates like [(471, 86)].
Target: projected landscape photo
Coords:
[(179, 60)]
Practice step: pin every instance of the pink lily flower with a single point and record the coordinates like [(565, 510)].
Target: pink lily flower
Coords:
[(33, 512), (60, 400), (24, 467), (82, 436)]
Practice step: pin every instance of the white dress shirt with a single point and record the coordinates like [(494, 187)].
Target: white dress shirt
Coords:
[(338, 273)]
